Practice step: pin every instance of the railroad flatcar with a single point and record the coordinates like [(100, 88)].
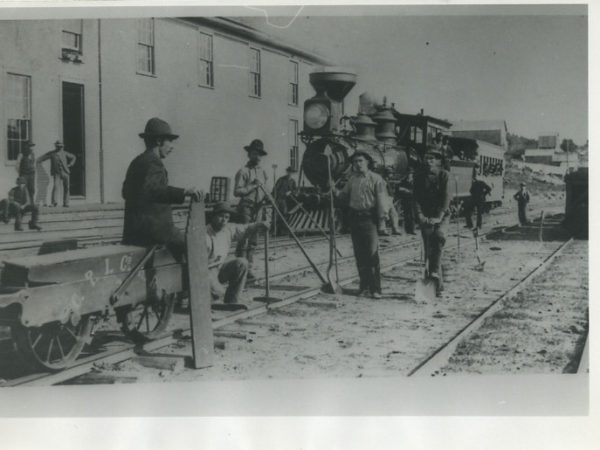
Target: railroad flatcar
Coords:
[(394, 140)]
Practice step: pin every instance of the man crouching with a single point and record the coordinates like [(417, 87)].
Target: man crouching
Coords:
[(219, 235)]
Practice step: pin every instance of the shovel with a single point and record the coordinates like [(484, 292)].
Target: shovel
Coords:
[(425, 287), (480, 263), (267, 298)]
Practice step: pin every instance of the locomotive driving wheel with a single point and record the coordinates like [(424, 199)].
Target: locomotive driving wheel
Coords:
[(52, 346), (147, 320)]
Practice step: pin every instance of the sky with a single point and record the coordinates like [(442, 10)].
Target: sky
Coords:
[(527, 67)]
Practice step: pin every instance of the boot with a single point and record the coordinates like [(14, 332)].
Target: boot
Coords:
[(34, 226)]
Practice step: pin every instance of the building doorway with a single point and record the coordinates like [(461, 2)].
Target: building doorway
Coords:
[(73, 133)]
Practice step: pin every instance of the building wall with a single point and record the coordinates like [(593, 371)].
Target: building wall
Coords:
[(214, 124), (33, 48)]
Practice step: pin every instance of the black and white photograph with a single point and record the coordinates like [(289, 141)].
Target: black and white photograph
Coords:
[(341, 195)]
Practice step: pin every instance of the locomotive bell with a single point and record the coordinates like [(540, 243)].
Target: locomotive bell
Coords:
[(365, 128), (386, 123)]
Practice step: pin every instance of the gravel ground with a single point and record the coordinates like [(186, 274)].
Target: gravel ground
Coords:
[(334, 336)]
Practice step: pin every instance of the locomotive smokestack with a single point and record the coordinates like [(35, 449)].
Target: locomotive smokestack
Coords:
[(336, 82)]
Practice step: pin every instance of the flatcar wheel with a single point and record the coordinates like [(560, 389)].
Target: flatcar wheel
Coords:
[(53, 346), (148, 320)]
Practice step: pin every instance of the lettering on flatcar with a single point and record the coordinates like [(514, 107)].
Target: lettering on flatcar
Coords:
[(89, 275), (107, 270), (126, 261)]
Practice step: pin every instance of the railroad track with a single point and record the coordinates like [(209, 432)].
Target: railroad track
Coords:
[(125, 352)]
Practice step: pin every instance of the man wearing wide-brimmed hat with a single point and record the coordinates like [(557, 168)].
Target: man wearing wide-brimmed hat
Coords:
[(148, 195), (26, 167), (219, 235), (18, 203), (432, 200), (284, 186), (366, 195), (61, 162), (251, 204)]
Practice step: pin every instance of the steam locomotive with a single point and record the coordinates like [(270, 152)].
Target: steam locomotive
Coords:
[(394, 140)]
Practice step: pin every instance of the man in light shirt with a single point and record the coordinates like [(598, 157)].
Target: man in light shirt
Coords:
[(219, 235), (365, 193), (248, 182)]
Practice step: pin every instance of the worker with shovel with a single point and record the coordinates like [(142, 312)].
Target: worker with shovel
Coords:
[(432, 200), (219, 235)]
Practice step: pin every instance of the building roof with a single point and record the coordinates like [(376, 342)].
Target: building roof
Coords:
[(240, 28), (479, 125)]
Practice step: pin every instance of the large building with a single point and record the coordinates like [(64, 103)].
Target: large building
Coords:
[(94, 83), (492, 131)]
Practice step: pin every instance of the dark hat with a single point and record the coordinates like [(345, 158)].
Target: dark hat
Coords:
[(156, 127), (21, 180), (365, 155), (257, 145), (221, 207), (58, 143), (290, 169)]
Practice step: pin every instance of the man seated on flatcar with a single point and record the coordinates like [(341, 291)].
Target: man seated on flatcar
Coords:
[(432, 200), (148, 195), (219, 235)]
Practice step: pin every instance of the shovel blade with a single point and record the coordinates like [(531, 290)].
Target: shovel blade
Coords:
[(331, 288), (228, 307), (425, 290)]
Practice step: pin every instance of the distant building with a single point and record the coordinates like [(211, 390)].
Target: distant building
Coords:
[(492, 131), (549, 152), (94, 83)]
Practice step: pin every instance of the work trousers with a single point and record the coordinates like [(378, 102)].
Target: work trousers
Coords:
[(434, 240), (249, 213), (523, 213), (394, 218), (61, 180), (478, 207), (233, 273), (408, 214), (30, 183), (363, 230), (8, 209)]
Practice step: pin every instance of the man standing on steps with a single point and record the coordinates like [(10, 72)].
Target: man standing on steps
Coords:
[(432, 200), (248, 182), (522, 198), (148, 195), (219, 235), (26, 167), (365, 194), (61, 162), (479, 191)]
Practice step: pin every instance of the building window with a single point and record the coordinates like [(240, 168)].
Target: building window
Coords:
[(255, 90), (205, 59), (293, 83), (18, 113), (293, 143), (72, 38), (145, 47)]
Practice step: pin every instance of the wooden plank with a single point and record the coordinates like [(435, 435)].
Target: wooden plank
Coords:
[(200, 313)]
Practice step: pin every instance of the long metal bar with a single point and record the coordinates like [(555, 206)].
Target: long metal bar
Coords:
[(310, 261)]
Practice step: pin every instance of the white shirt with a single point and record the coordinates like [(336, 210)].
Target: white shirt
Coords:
[(219, 242)]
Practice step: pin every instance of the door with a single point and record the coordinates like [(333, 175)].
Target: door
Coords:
[(73, 133)]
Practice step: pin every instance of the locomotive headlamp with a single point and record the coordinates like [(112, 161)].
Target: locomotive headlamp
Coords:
[(316, 116)]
